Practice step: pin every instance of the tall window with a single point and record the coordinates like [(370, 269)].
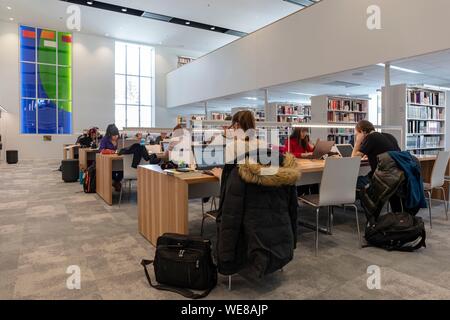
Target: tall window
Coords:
[(135, 74)]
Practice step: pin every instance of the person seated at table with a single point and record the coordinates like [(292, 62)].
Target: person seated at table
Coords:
[(108, 145), (370, 143), (161, 138), (257, 215), (138, 136), (299, 143), (300, 146)]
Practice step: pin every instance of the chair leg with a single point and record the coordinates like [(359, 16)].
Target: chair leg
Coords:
[(229, 283), (429, 208), (357, 224), (317, 231), (203, 219), (445, 202), (120, 197)]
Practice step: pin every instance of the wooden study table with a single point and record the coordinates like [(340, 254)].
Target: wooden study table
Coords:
[(105, 165), (69, 151), (163, 199), (85, 155)]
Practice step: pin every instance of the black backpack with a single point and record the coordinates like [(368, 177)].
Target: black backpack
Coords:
[(396, 231), (182, 263), (89, 180)]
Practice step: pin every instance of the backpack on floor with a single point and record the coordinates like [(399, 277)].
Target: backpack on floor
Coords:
[(396, 232), (89, 180)]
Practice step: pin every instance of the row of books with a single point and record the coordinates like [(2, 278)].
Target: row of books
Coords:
[(340, 139), (341, 131), (425, 126), (425, 152), (423, 142), (291, 109), (347, 105), (346, 117), (292, 119), (220, 116), (426, 113), (426, 97)]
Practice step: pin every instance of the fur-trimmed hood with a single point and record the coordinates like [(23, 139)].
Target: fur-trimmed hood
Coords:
[(269, 176)]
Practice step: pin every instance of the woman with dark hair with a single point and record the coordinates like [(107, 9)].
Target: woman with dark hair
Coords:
[(108, 145), (298, 143), (257, 215)]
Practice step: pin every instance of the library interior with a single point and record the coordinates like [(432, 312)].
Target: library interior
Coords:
[(226, 150)]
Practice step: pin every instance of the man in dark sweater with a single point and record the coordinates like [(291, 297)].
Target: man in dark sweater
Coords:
[(370, 143)]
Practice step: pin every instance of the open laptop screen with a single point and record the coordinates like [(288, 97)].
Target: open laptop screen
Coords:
[(209, 156), (345, 150)]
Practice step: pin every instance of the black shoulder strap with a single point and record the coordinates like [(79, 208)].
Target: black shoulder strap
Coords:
[(184, 292)]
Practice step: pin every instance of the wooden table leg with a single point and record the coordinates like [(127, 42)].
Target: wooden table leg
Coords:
[(104, 178)]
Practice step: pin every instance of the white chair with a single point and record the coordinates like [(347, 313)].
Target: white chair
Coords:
[(337, 188), (129, 173), (437, 180)]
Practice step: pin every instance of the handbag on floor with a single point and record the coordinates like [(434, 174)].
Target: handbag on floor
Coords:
[(183, 263)]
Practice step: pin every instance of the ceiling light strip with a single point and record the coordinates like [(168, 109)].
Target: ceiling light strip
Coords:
[(156, 16)]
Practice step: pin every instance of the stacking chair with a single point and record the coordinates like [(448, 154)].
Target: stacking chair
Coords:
[(437, 180), (212, 213), (337, 188), (129, 174)]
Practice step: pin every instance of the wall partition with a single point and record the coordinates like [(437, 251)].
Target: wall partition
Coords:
[(45, 81)]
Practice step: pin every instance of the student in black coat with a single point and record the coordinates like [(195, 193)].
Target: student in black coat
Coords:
[(257, 219)]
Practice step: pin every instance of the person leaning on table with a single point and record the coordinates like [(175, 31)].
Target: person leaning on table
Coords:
[(370, 143), (108, 145)]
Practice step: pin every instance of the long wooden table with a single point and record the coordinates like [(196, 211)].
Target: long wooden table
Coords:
[(85, 155), (69, 151), (163, 199), (105, 165)]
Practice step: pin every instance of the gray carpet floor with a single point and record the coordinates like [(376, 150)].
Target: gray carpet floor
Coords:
[(47, 225)]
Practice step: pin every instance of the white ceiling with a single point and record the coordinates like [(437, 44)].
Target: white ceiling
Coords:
[(240, 15), (434, 70)]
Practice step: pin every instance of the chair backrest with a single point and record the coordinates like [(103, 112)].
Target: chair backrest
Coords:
[(439, 169), (338, 185), (156, 148), (129, 173)]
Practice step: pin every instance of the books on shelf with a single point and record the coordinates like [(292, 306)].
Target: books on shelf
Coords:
[(426, 127), (220, 116), (425, 113), (346, 117), (423, 142), (293, 113), (347, 105), (426, 97)]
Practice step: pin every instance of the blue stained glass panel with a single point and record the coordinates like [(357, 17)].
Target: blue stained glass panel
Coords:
[(27, 44), (28, 77), (46, 117), (28, 115)]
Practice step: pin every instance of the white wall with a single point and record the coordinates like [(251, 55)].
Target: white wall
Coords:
[(328, 37), (93, 91), (166, 60)]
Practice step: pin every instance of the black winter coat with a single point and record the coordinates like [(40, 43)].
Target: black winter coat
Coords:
[(257, 220)]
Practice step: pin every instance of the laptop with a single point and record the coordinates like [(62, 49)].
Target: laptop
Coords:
[(207, 157), (345, 150), (322, 148), (165, 146)]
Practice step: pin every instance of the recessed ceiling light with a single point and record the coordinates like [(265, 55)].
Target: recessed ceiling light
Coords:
[(9, 8), (213, 28), (124, 10), (400, 69), (251, 98), (302, 94), (90, 3), (106, 34), (188, 22), (11, 19)]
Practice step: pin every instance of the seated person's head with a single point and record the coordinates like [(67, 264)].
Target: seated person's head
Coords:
[(245, 121), (112, 132), (138, 136), (364, 127), (163, 135)]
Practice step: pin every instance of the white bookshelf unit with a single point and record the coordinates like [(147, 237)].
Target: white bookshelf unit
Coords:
[(340, 111), (421, 111)]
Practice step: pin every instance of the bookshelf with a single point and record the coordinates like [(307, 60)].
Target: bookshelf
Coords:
[(295, 113), (338, 110), (421, 111)]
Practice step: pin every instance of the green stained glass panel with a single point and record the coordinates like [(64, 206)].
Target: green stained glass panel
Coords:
[(65, 83)]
